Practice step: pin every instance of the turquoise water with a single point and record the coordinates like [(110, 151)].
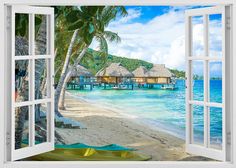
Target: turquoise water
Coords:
[(162, 109)]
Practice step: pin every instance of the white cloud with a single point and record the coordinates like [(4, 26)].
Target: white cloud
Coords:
[(215, 69), (160, 41), (133, 13)]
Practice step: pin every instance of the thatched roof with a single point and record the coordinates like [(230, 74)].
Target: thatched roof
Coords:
[(159, 70), (140, 72), (81, 71), (114, 70)]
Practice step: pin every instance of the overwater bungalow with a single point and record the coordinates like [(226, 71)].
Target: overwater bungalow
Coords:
[(115, 75), (81, 78), (159, 74), (140, 75)]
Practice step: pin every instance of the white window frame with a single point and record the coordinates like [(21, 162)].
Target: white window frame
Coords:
[(191, 147), (231, 105), (32, 148)]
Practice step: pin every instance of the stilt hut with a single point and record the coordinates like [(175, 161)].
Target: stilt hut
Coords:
[(115, 75), (159, 74), (140, 75), (80, 78)]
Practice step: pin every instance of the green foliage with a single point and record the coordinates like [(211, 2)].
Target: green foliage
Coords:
[(99, 61), (178, 73), (197, 77), (96, 62), (91, 22), (22, 24)]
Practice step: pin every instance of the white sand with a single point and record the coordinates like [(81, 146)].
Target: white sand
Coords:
[(105, 126)]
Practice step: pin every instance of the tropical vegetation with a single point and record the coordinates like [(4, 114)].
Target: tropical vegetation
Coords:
[(76, 28), (87, 24), (95, 63), (21, 71)]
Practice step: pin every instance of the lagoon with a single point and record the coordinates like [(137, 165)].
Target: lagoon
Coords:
[(162, 109)]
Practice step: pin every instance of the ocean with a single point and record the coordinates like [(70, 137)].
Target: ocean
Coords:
[(163, 109)]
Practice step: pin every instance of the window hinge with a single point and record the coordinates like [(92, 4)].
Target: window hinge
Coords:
[(228, 138), (8, 139), (228, 23)]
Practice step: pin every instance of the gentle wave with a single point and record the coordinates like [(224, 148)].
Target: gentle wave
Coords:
[(161, 109)]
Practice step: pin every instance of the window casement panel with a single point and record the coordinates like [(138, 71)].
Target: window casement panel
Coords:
[(202, 107), (32, 69)]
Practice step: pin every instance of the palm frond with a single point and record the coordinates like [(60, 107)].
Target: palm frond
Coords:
[(122, 11), (112, 37), (103, 46), (108, 13)]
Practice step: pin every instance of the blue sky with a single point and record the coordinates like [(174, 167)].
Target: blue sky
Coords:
[(148, 12), (157, 34)]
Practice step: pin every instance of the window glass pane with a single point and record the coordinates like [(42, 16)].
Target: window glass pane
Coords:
[(41, 111), (21, 81), (197, 36), (215, 35), (215, 77), (197, 81), (21, 127), (41, 78), (40, 34), (198, 124), (21, 34), (215, 128)]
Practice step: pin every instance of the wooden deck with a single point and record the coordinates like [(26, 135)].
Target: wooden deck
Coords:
[(80, 85)]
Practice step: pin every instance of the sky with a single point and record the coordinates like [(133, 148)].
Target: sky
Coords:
[(156, 34)]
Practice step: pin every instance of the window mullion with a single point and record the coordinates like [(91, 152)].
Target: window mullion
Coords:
[(50, 76), (13, 96), (223, 82), (206, 81), (31, 82)]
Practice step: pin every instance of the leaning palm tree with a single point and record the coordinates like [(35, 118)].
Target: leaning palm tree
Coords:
[(88, 23), (102, 39)]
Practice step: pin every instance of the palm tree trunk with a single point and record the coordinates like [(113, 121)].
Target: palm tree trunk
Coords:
[(21, 90), (61, 103), (21, 113), (40, 64), (44, 83), (63, 73)]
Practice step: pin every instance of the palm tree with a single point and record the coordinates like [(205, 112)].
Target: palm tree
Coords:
[(21, 47), (88, 23), (21, 89), (40, 64)]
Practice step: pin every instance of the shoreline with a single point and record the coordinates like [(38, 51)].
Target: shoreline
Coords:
[(158, 126), (106, 126)]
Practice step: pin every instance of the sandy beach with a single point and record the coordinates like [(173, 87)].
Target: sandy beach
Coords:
[(105, 126)]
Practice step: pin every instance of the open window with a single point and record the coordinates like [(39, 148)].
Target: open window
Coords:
[(32, 108), (31, 128), (201, 107)]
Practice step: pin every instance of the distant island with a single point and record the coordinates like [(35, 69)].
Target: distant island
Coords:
[(95, 60)]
